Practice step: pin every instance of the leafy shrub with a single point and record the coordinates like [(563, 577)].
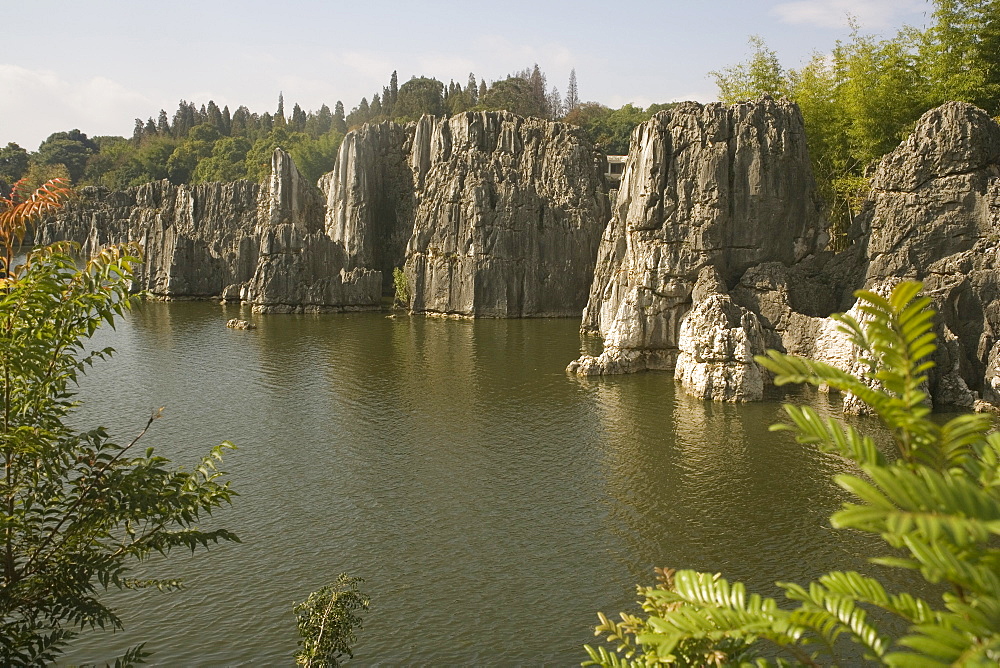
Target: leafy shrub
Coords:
[(326, 622)]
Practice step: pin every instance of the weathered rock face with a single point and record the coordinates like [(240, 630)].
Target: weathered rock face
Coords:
[(491, 214), (727, 187), (299, 266), (508, 216), (718, 341), (263, 245), (370, 197), (934, 215)]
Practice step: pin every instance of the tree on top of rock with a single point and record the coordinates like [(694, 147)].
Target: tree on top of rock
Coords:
[(419, 96), (761, 75), (339, 121), (572, 92)]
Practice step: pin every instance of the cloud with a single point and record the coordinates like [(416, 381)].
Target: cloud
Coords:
[(36, 103), (443, 66), (871, 14), (370, 66), (498, 56)]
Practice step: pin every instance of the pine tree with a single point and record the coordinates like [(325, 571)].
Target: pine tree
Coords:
[(539, 90), (376, 107), (298, 118), (180, 123), (279, 115), (339, 122), (214, 116), (572, 93), (482, 90), (319, 123), (227, 121), (472, 90), (190, 117), (162, 124), (138, 132), (360, 114), (394, 87), (239, 126), (556, 103), (386, 102)]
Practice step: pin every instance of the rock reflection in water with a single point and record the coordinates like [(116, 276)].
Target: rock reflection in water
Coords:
[(696, 484)]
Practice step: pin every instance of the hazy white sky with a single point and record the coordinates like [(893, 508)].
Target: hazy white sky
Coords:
[(97, 65)]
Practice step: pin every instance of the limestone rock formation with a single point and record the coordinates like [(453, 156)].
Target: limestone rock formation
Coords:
[(370, 197), (299, 267), (933, 214), (264, 245), (508, 216), (491, 214), (727, 187), (717, 343)]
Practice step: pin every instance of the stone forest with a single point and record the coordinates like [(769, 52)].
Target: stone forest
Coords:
[(711, 249)]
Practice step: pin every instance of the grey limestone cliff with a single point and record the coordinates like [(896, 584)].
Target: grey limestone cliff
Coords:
[(370, 197), (728, 187), (300, 268), (933, 214), (262, 244), (489, 213), (508, 216)]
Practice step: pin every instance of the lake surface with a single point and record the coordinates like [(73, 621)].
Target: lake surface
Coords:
[(492, 502)]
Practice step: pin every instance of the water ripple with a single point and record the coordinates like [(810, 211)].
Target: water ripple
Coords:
[(480, 491)]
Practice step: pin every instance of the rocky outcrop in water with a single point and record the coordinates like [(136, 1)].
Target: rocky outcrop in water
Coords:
[(717, 343), (933, 215), (728, 187), (263, 245), (489, 213)]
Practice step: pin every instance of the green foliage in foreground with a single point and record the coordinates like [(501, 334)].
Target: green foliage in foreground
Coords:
[(327, 620), (936, 505), (76, 509)]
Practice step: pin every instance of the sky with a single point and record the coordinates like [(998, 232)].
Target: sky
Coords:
[(99, 65)]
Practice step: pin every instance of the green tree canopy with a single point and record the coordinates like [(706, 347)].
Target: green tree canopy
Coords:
[(761, 75), (610, 129), (71, 149), (516, 95), (419, 96), (258, 160), (13, 163), (227, 162), (316, 157)]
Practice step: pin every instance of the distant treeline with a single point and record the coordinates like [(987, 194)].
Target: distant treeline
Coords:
[(205, 143)]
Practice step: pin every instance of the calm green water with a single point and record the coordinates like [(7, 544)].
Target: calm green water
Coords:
[(493, 503)]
